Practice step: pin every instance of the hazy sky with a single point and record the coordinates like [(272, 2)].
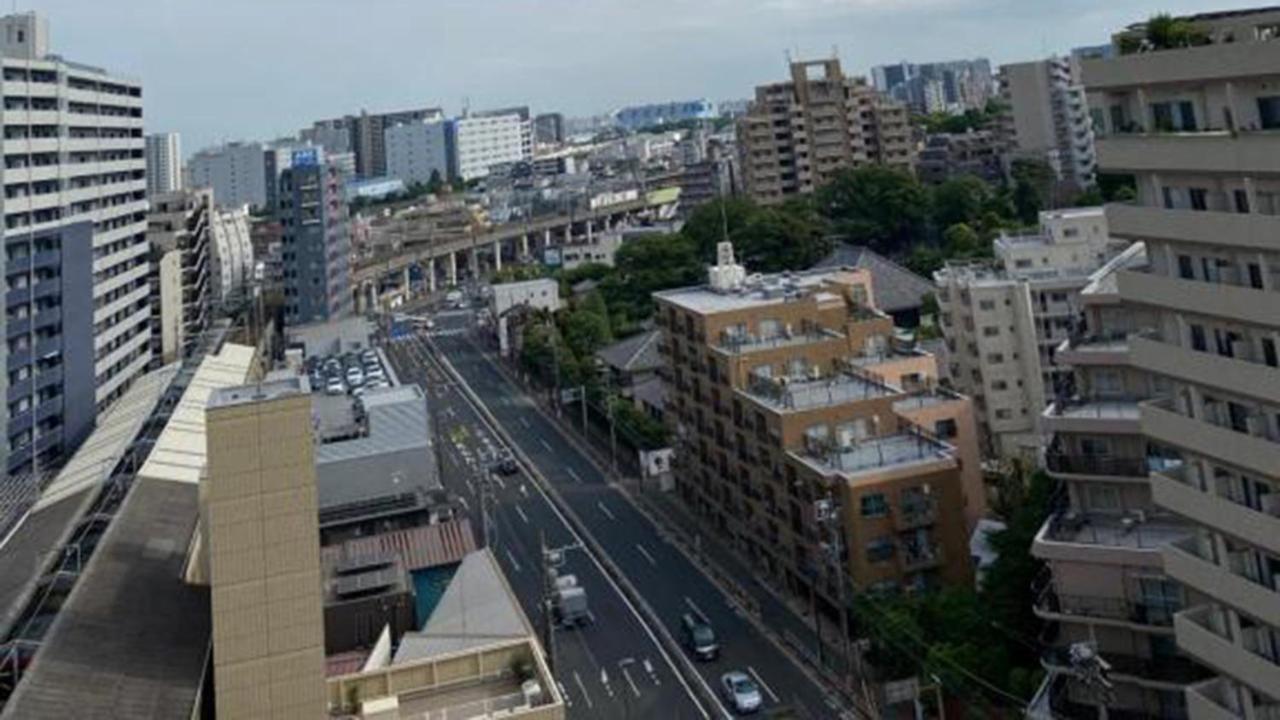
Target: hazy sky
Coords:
[(229, 69)]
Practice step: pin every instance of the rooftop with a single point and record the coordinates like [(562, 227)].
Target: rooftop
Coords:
[(896, 288), (637, 353), (756, 291), (807, 394), (879, 454), (258, 392)]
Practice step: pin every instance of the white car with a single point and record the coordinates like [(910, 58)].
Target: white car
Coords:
[(373, 372), (355, 377), (335, 387), (741, 692)]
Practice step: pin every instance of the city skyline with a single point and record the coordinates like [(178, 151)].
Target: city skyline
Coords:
[(672, 49)]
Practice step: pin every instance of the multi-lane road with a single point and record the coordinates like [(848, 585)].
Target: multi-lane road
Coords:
[(617, 667)]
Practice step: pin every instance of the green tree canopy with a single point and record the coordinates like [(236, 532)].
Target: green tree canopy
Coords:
[(960, 200), (877, 206)]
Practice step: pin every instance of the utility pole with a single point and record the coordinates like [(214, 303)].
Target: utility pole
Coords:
[(582, 395), (548, 602)]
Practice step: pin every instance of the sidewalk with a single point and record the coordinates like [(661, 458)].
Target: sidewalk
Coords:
[(787, 622)]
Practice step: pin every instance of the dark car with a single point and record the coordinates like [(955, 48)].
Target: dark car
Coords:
[(506, 466), (699, 637)]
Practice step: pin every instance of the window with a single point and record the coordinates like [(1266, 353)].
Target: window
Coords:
[(1242, 201), (945, 428), (999, 385), (986, 304), (1199, 198), (874, 505), (1003, 414), (1022, 264), (1186, 269), (1170, 199), (1269, 352), (1269, 112), (880, 550), (1198, 341), (995, 358), (1103, 497), (1255, 275), (990, 331)]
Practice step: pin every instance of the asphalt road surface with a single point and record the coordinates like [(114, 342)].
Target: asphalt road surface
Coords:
[(612, 668), (668, 581)]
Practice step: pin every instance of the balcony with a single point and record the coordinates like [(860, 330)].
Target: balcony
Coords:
[(1180, 490), (915, 513), (1108, 350), (745, 343), (1110, 467), (1217, 699), (1186, 562), (1233, 374), (1217, 62), (1158, 672), (1092, 415), (917, 556), (1225, 300), (1198, 637), (1131, 539), (1058, 607), (1247, 153), (1162, 422), (798, 394), (1253, 231)]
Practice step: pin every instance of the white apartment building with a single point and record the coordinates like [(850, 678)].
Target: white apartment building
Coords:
[(418, 150), (164, 163), (1196, 127), (236, 171), (482, 140), (1047, 117), (76, 254), (232, 253), (1003, 321)]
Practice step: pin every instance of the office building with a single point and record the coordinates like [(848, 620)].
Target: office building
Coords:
[(260, 524), (798, 134), (235, 171), (76, 260), (478, 141), (1003, 321), (418, 151), (945, 156), (1046, 118), (332, 135), (548, 129), (946, 87), (637, 117), (1106, 587), (178, 230), (164, 163), (231, 252), (1195, 125), (792, 400), (316, 244), (365, 136)]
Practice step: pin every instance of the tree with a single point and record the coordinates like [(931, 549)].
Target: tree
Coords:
[(876, 206), (1034, 181), (644, 266), (1089, 198), (1165, 32), (924, 260), (960, 200), (962, 241), (435, 183)]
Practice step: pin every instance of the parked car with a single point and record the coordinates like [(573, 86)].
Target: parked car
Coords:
[(335, 387), (373, 371), (506, 466), (699, 637), (741, 692)]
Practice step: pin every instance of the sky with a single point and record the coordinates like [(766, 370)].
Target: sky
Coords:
[(216, 70)]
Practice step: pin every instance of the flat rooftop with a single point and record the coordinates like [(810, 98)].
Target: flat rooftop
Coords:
[(259, 392), (132, 639), (757, 291), (879, 454), (799, 395)]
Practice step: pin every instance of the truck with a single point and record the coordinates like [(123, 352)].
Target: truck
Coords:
[(571, 602)]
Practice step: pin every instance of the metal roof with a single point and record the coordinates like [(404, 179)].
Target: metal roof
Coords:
[(418, 547), (180, 451), (896, 288)]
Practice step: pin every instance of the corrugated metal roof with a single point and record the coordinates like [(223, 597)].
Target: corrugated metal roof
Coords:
[(179, 453), (419, 547)]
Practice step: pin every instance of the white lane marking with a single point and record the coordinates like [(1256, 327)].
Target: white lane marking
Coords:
[(653, 674), (760, 681), (463, 502), (523, 517), (568, 701), (501, 483), (524, 490), (630, 682), (605, 510), (604, 680), (646, 555), (470, 488), (694, 607), (573, 474), (525, 422), (545, 444), (512, 558)]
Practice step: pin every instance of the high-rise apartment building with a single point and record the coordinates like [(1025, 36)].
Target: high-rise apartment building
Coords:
[(164, 163), (637, 117), (236, 173), (365, 136), (1046, 117), (548, 129), (231, 252), (178, 230), (261, 527), (951, 87), (478, 141), (418, 151), (1004, 319), (76, 263), (1195, 127), (793, 403), (316, 244), (798, 134)]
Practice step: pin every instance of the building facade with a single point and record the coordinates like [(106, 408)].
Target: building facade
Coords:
[(798, 134), (178, 230), (418, 151), (945, 156), (164, 163), (637, 117), (480, 140), (235, 171), (76, 260), (316, 245), (949, 87), (1002, 322), (1194, 126), (1047, 118), (791, 405), (231, 253), (548, 129)]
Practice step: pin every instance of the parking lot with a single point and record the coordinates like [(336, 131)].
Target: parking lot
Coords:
[(352, 373)]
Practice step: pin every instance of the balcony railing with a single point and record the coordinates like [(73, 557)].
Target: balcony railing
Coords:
[(915, 513), (920, 556), (1176, 670), (1110, 465), (1133, 530), (1085, 606)]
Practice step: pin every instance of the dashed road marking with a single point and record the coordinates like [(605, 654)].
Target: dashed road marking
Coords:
[(501, 483), (568, 701), (760, 681), (525, 422), (463, 501), (653, 674), (573, 474), (524, 490), (545, 444), (512, 558), (523, 517), (604, 680), (605, 510), (646, 555), (694, 607)]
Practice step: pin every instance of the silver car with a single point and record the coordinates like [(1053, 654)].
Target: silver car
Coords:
[(741, 692)]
